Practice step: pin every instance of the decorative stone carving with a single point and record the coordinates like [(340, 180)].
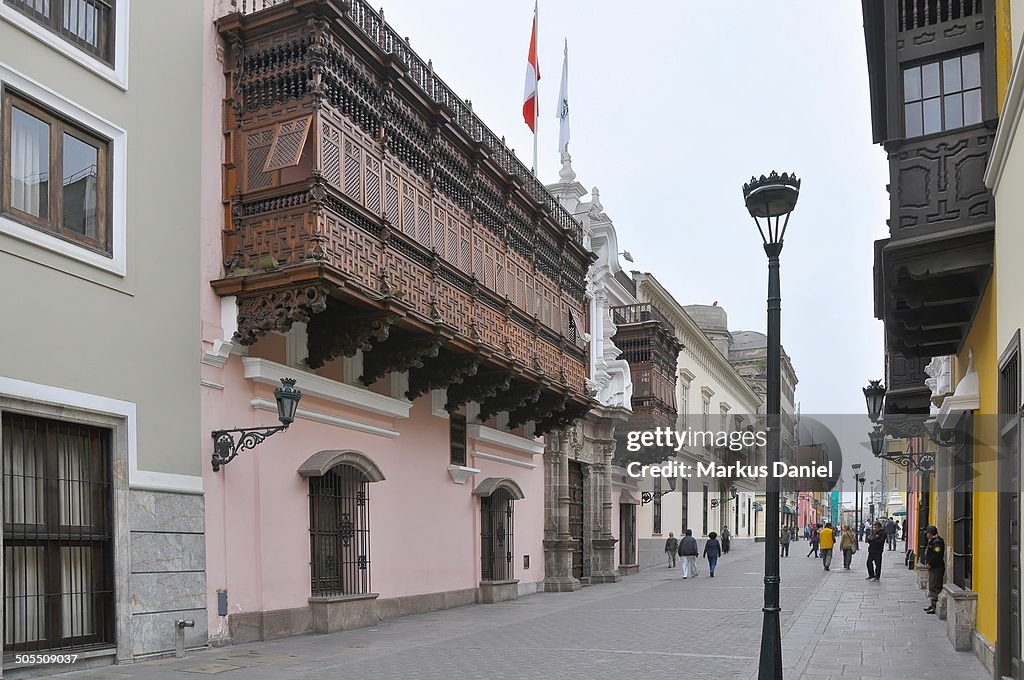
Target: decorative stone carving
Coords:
[(939, 380), (277, 309)]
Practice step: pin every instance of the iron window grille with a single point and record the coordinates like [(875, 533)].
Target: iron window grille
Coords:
[(86, 24), (627, 534), (684, 488), (963, 507), (339, 532), (942, 95), (58, 545), (497, 534), (704, 518), (657, 505)]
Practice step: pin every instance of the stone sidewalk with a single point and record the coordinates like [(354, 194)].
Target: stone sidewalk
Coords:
[(835, 625), (852, 628)]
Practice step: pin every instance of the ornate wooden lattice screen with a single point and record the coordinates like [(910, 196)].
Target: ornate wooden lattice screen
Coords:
[(58, 590)]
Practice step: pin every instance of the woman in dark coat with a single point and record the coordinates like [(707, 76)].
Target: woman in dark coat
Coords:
[(712, 551)]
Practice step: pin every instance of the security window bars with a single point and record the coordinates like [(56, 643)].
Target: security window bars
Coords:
[(684, 488), (86, 24), (339, 532), (39, 146), (58, 560), (942, 95), (457, 425), (963, 507), (704, 518), (627, 534), (497, 546)]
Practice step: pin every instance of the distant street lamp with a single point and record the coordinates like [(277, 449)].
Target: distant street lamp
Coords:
[(772, 199)]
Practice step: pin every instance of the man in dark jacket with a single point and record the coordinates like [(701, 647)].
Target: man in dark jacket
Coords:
[(890, 532), (876, 545), (688, 551), (671, 545), (935, 558)]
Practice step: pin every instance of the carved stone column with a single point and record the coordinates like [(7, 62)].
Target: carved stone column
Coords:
[(604, 547), (558, 576)]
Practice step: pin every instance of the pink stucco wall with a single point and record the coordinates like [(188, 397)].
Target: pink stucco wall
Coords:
[(424, 528)]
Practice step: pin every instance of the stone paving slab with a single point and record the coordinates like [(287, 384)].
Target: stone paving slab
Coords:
[(836, 626)]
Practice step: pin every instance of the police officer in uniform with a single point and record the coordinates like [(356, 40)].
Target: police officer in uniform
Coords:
[(935, 558)]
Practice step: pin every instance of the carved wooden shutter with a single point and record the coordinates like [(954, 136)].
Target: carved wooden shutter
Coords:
[(289, 140)]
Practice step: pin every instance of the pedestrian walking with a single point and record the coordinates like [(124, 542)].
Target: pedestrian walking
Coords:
[(784, 539), (826, 541), (807, 532), (935, 558), (848, 544), (712, 551), (671, 545), (876, 545), (903, 530), (726, 538), (688, 551), (813, 538), (890, 532)]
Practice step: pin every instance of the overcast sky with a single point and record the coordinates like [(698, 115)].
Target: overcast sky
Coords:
[(673, 106)]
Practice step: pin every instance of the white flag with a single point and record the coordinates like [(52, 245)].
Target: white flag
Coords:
[(563, 105)]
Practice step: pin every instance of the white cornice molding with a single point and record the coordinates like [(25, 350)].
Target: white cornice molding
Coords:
[(477, 453), (326, 419), (270, 373), (505, 439), (1006, 132)]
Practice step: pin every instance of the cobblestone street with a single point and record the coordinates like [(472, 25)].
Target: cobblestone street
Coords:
[(836, 625)]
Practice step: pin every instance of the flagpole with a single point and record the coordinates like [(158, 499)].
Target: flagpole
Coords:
[(536, 101)]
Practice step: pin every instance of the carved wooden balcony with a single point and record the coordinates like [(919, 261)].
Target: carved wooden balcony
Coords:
[(648, 342), (931, 272), (365, 198)]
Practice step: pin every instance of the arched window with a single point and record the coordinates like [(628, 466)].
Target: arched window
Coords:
[(339, 532), (496, 536)]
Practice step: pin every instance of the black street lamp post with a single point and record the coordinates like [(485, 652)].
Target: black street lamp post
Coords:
[(772, 200), (856, 500)]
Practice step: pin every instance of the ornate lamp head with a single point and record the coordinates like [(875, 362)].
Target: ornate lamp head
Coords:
[(771, 198), (874, 396), (877, 437), (287, 401)]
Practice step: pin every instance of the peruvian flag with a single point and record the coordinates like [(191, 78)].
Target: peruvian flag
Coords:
[(532, 76)]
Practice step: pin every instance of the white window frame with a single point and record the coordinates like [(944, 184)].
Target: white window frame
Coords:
[(116, 75), (117, 262)]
